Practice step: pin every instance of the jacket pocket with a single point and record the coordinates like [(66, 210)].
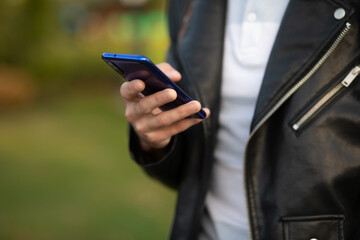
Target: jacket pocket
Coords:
[(321, 102), (329, 227)]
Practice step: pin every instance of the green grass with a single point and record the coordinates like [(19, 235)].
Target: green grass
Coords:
[(65, 173)]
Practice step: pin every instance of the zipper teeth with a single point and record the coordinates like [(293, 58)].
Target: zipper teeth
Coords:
[(350, 77), (282, 100), (317, 106), (306, 77)]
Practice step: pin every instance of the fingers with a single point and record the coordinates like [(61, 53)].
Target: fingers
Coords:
[(207, 111), (130, 90), (157, 138), (151, 102), (138, 110), (155, 127), (169, 71), (155, 132), (161, 137), (167, 118)]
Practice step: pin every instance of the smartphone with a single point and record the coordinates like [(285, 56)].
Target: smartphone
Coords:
[(139, 67)]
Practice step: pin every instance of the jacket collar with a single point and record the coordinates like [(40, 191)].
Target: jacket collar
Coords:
[(308, 28)]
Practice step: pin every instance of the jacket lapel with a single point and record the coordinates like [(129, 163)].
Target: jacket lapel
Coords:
[(201, 48), (307, 30)]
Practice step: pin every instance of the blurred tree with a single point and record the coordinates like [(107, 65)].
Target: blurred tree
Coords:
[(60, 42), (65, 169), (23, 27)]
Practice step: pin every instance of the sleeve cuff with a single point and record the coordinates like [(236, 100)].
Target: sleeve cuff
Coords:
[(143, 158)]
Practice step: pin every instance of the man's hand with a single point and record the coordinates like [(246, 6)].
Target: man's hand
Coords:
[(153, 126)]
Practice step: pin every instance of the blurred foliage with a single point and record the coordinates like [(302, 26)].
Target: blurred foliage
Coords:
[(60, 42), (65, 173), (65, 170)]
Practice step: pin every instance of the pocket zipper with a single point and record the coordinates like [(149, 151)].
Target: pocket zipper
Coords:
[(346, 82)]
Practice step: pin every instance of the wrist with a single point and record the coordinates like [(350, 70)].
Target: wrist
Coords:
[(155, 151)]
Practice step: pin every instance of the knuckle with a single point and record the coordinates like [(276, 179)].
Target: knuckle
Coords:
[(160, 98), (129, 89), (123, 89), (179, 127), (143, 106), (129, 115), (156, 137), (152, 138), (134, 86), (162, 120), (139, 127), (184, 112)]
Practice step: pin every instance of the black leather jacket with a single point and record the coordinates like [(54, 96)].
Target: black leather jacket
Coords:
[(302, 161)]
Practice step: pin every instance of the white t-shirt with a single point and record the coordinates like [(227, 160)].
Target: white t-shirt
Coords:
[(250, 32)]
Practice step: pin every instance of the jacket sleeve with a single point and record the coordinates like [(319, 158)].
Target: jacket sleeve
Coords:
[(168, 169)]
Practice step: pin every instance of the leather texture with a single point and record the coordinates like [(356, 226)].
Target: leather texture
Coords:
[(300, 184), (298, 228)]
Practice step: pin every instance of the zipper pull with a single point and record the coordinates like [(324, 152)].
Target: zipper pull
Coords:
[(351, 76)]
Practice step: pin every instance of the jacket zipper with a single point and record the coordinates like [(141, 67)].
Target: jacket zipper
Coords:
[(250, 197), (326, 98)]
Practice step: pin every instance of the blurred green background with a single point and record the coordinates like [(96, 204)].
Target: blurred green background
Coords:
[(65, 170)]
